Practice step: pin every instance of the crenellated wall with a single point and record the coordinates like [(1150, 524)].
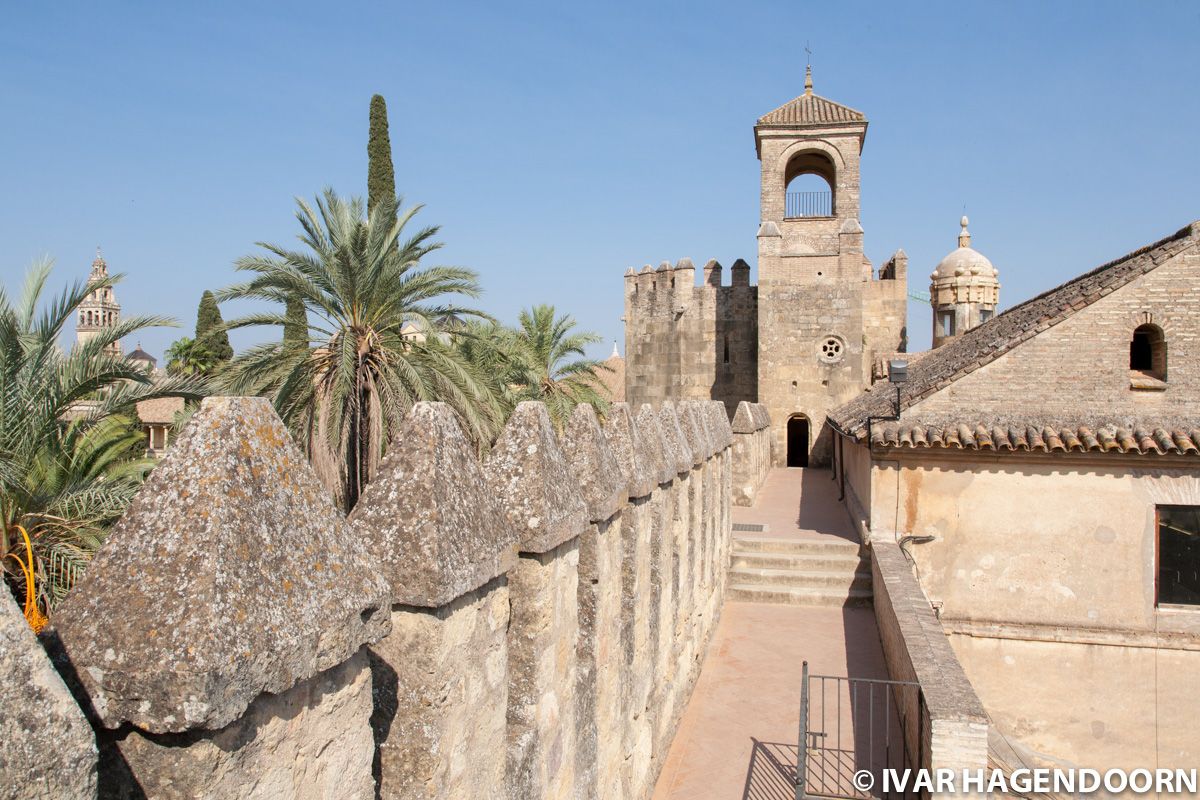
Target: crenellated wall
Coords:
[(751, 451), (526, 626), (684, 341)]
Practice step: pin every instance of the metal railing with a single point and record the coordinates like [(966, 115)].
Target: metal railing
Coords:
[(799, 205), (877, 712)]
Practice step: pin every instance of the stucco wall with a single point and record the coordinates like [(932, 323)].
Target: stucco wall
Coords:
[(1044, 572)]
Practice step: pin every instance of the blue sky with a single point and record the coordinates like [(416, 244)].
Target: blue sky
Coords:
[(558, 144)]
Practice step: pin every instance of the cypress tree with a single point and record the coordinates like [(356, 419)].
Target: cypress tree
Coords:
[(209, 330), (381, 180), (295, 331)]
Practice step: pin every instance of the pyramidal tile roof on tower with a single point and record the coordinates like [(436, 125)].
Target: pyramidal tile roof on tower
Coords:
[(811, 109)]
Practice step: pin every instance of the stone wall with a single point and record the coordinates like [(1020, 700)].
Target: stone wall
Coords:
[(1054, 615), (751, 451), (526, 626), (684, 341)]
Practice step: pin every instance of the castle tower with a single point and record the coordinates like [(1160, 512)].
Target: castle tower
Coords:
[(963, 291), (99, 309), (812, 275)]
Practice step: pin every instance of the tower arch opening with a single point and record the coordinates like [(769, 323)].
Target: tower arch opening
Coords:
[(809, 178), (797, 441)]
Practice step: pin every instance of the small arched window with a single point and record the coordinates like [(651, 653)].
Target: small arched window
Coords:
[(726, 356), (1148, 352)]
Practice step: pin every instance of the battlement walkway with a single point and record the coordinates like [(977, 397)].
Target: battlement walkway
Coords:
[(737, 738)]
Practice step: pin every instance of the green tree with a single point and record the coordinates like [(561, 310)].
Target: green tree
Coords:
[(381, 179), (189, 357), (69, 447), (210, 329), (345, 395), (549, 363)]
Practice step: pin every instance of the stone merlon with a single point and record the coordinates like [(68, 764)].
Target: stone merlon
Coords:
[(625, 441), (429, 518), (230, 574), (528, 473), (594, 464)]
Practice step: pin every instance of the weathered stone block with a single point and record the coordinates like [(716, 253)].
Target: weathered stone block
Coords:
[(529, 475), (599, 721), (626, 443), (231, 574), (594, 464), (311, 742), (429, 520), (47, 750), (542, 638), (441, 699)]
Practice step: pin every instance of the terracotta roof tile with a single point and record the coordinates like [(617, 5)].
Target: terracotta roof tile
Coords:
[(1035, 437), (811, 109)]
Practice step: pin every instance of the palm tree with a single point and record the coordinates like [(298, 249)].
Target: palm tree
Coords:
[(70, 452), (186, 356), (549, 363), (360, 279)]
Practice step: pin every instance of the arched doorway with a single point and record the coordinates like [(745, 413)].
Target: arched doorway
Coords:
[(797, 441)]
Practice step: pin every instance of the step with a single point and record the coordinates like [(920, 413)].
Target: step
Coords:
[(833, 562), (800, 578), (766, 544), (752, 593)]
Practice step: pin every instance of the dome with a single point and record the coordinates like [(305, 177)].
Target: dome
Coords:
[(142, 356), (965, 261)]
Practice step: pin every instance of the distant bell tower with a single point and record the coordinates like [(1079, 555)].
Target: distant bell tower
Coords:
[(813, 278), (99, 309), (964, 290)]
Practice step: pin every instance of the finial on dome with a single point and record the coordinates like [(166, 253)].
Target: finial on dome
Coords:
[(808, 80), (616, 353), (964, 236)]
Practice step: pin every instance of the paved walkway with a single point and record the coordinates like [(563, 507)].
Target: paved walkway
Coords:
[(738, 735), (798, 503)]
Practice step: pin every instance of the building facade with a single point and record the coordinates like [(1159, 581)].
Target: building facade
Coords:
[(1044, 477), (804, 339)]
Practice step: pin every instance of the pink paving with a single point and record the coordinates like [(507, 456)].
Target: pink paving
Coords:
[(798, 503), (737, 738)]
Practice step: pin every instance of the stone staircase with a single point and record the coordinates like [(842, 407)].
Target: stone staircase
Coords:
[(803, 572)]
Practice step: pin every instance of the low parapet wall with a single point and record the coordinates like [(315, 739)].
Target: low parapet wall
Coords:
[(528, 626), (949, 729), (751, 451)]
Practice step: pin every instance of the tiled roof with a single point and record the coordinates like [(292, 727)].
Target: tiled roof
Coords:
[(989, 341), (811, 109), (159, 411), (613, 379), (1031, 436)]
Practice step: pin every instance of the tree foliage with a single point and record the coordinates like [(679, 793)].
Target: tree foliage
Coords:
[(360, 278), (381, 178), (543, 358), (188, 356), (70, 446), (295, 327), (210, 329)]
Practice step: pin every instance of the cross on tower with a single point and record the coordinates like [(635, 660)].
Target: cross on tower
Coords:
[(806, 50)]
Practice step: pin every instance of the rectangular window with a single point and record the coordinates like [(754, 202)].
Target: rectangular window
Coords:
[(946, 322), (985, 314), (1179, 555)]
